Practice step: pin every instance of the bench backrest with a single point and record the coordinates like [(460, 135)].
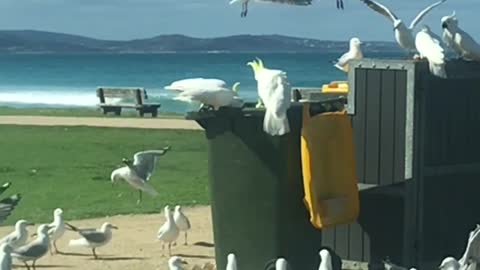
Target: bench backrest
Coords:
[(138, 93)]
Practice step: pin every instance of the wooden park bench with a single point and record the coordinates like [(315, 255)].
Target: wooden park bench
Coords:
[(137, 95)]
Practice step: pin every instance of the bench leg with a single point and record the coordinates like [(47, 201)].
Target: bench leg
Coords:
[(141, 112), (118, 111), (154, 112)]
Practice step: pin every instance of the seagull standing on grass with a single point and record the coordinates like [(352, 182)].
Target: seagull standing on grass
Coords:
[(460, 41), (5, 256), (138, 172), (181, 221), (35, 249), (92, 238), (19, 236), (7, 205), (403, 34), (430, 48), (354, 53), (275, 95), (57, 228), (168, 232), (176, 263)]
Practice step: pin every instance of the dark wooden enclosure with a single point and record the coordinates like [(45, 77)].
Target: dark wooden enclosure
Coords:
[(417, 140)]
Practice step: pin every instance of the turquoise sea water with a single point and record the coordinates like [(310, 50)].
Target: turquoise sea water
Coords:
[(51, 80)]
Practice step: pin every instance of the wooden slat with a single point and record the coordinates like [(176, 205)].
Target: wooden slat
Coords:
[(372, 131), (121, 92), (400, 121), (359, 121), (387, 128)]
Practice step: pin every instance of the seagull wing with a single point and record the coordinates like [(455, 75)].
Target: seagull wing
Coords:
[(94, 236), (424, 12), (473, 247), (32, 251), (7, 206), (144, 161), (290, 2), (380, 9)]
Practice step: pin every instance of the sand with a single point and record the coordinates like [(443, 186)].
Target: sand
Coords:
[(134, 246), (154, 123)]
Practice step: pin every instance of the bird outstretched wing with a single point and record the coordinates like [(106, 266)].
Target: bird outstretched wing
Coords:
[(145, 161), (424, 12), (381, 9)]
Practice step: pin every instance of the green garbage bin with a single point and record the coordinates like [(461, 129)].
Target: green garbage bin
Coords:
[(256, 189)]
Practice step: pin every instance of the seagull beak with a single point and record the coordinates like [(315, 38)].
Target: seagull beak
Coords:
[(114, 227), (184, 262)]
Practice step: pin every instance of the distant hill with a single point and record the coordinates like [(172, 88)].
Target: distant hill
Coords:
[(29, 41)]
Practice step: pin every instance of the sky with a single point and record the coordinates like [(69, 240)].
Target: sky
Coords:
[(134, 19)]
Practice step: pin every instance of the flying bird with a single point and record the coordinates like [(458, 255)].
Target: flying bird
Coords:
[(470, 257), (57, 228), (288, 2), (137, 173), (92, 238), (275, 95), (460, 41), (429, 48), (403, 34), (354, 53)]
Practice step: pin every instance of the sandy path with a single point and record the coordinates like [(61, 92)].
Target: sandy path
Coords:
[(154, 123), (134, 245)]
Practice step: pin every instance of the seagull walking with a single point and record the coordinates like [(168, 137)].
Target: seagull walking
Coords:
[(275, 95), (5, 256), (181, 221), (176, 263), (168, 232), (19, 236), (460, 41), (92, 238), (354, 53), (430, 48), (57, 228), (137, 173), (403, 34), (35, 249)]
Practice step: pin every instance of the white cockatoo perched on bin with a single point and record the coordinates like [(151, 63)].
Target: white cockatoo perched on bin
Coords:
[(275, 94)]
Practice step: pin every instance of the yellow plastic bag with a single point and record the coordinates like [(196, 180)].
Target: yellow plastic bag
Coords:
[(328, 165)]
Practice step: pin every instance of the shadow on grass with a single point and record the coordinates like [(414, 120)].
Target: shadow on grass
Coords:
[(43, 266)]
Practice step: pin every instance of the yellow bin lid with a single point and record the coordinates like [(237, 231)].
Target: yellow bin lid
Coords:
[(335, 87)]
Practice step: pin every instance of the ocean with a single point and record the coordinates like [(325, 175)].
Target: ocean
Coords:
[(70, 80)]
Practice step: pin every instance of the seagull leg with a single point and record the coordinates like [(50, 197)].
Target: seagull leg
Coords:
[(139, 197), (33, 265), (94, 254), (186, 243), (55, 246), (169, 249), (26, 265), (50, 247)]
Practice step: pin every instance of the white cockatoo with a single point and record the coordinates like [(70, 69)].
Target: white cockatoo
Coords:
[(403, 34), (470, 257), (460, 41), (211, 95), (429, 47), (354, 53), (193, 83), (275, 94)]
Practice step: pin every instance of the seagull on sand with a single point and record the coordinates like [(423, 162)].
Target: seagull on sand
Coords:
[(403, 34), (92, 238), (176, 263), (57, 228), (19, 236), (168, 232), (138, 172), (354, 52), (5, 256), (181, 221), (35, 249)]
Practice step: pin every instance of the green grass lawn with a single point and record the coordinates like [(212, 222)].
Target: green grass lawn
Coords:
[(78, 112), (70, 168)]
